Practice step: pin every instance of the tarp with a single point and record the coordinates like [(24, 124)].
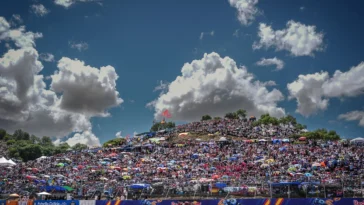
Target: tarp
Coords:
[(286, 183), (52, 188)]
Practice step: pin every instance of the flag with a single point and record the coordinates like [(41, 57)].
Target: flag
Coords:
[(166, 114)]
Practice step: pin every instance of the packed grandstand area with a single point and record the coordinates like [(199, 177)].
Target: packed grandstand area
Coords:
[(207, 159)]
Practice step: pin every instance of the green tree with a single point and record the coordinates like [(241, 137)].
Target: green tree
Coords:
[(241, 113), (34, 139), (18, 134), (217, 118), (79, 147), (161, 126), (30, 152), (206, 117), (2, 134), (46, 141), (231, 115), (114, 142)]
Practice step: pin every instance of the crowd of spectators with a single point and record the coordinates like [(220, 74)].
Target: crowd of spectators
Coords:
[(184, 167)]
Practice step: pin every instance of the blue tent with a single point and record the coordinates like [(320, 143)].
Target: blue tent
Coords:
[(275, 141), (52, 188), (285, 183), (220, 185), (140, 186)]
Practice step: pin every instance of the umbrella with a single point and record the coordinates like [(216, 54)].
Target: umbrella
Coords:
[(316, 165), (302, 138), (264, 165), (215, 176), (14, 195), (308, 174), (60, 165), (43, 194), (68, 188)]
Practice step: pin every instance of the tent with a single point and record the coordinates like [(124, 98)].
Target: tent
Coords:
[(140, 186), (357, 140), (5, 162), (183, 134)]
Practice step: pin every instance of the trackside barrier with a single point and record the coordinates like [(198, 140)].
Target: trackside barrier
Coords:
[(274, 201)]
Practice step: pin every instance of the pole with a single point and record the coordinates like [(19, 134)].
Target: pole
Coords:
[(270, 182), (342, 185)]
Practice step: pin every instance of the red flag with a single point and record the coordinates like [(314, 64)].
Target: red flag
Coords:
[(166, 114)]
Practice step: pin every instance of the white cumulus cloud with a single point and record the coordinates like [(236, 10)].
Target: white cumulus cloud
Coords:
[(68, 3), (312, 91), (297, 38), (19, 36), (271, 61), (354, 116), (214, 85), (85, 137), (39, 9), (247, 10), (85, 89), (118, 135)]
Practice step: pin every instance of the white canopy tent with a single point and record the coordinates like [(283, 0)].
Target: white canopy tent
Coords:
[(357, 140), (5, 162)]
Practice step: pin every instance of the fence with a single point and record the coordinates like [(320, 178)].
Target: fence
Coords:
[(273, 201)]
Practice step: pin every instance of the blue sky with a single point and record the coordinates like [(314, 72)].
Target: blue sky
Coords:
[(147, 42)]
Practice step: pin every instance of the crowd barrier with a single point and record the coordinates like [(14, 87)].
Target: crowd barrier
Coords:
[(274, 201)]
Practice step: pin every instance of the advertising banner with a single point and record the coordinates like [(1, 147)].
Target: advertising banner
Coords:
[(57, 202)]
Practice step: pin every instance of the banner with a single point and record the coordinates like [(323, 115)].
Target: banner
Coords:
[(56, 202), (274, 201), (87, 202), (2, 202)]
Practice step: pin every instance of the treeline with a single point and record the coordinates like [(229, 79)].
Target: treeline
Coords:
[(266, 119), (23, 146)]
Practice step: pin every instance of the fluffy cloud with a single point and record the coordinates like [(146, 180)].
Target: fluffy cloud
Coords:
[(118, 135), (85, 137), (85, 89), (211, 33), (214, 85), (299, 39), (271, 61), (68, 3), (47, 57), (39, 9), (81, 46), (247, 10), (312, 91), (19, 36), (26, 103), (353, 116)]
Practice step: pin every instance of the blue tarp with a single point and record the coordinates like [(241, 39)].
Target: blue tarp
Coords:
[(285, 183), (139, 186), (220, 185), (52, 188)]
